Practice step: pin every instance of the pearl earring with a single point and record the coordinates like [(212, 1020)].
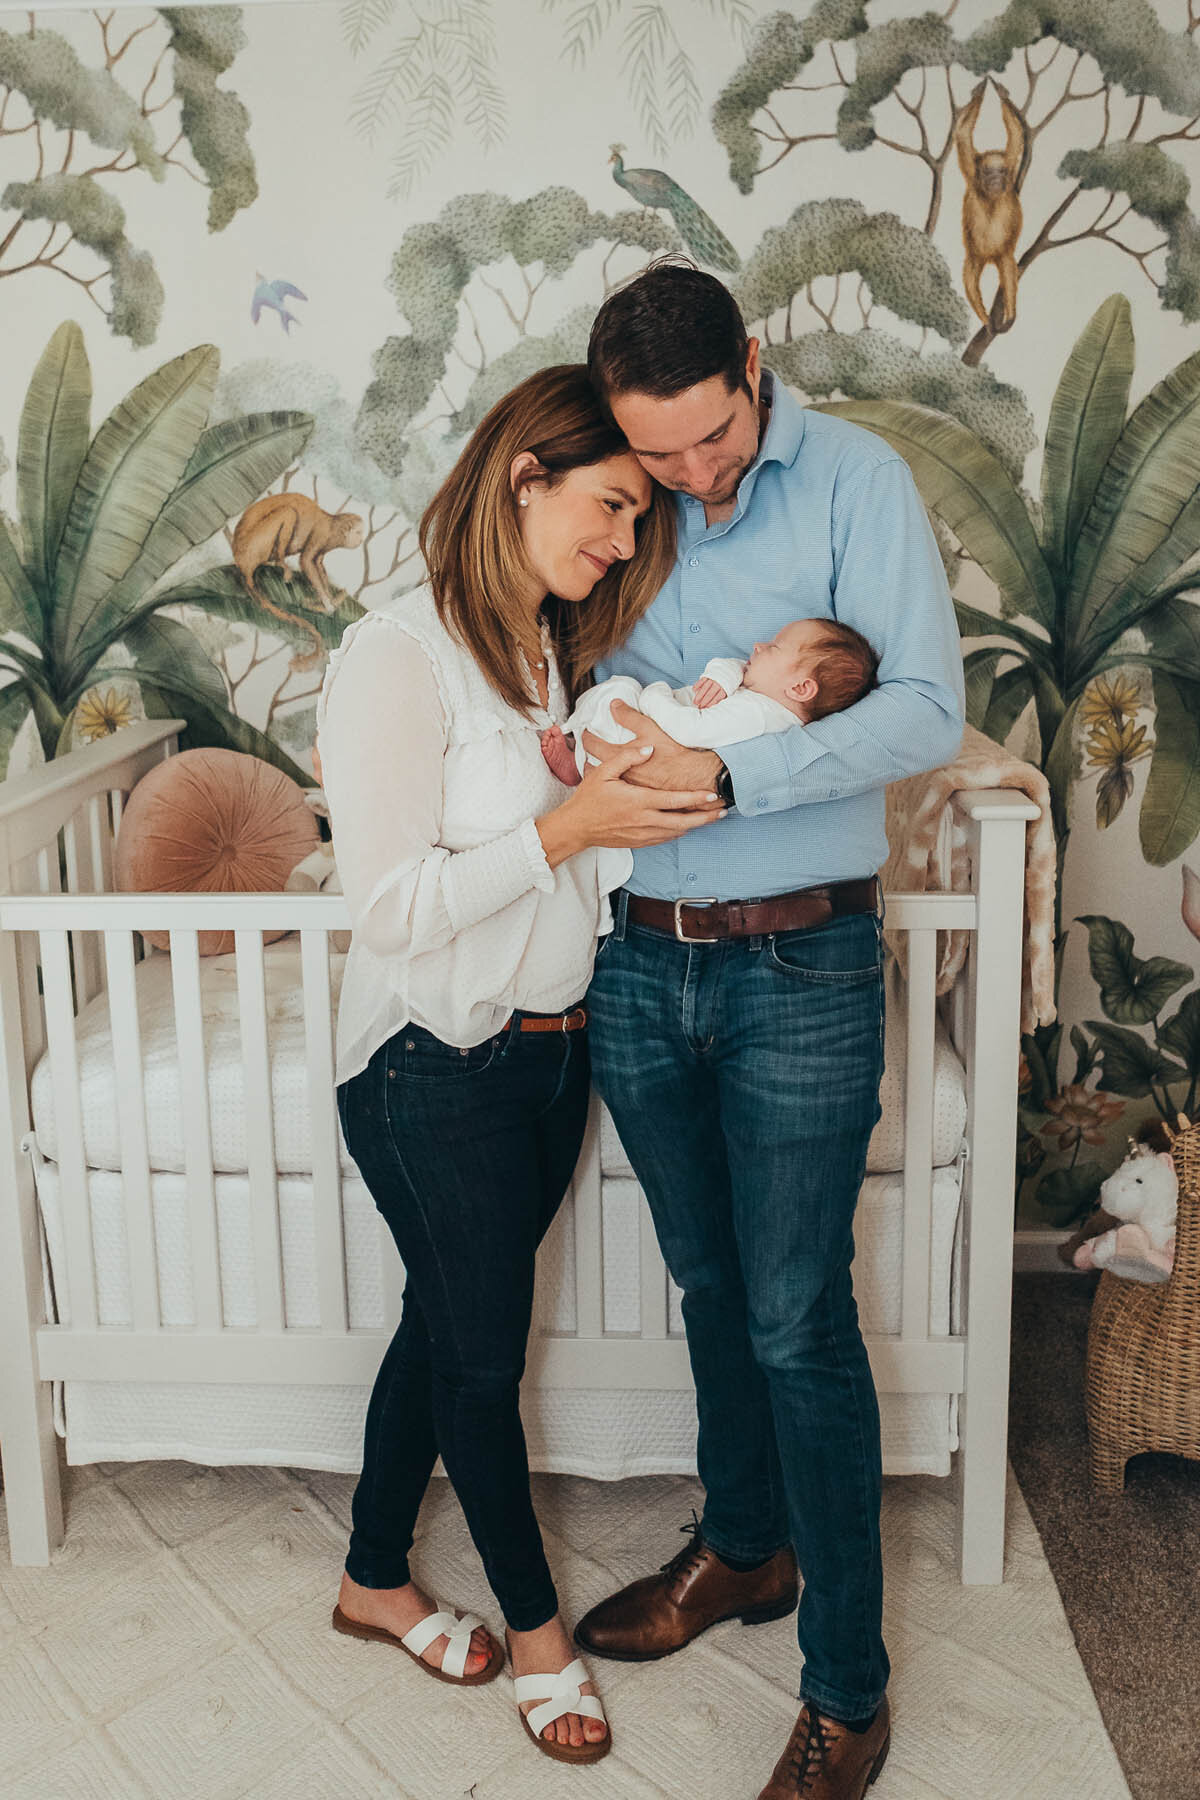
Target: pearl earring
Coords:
[(524, 500)]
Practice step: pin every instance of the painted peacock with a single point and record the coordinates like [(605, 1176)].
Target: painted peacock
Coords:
[(651, 187)]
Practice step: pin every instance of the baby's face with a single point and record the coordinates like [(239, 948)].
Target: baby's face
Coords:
[(782, 661)]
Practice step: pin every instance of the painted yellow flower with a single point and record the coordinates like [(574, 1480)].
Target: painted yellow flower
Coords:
[(1111, 744), (1109, 698), (1079, 1116), (99, 715)]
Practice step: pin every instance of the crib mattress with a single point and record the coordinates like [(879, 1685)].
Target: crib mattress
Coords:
[(605, 1434), (289, 1075)]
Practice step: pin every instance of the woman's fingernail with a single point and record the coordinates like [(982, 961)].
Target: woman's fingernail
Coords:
[(710, 796), (645, 749)]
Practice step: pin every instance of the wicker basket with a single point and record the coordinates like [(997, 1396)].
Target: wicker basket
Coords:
[(1143, 1355)]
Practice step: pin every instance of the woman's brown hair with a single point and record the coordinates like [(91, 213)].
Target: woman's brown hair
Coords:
[(475, 556)]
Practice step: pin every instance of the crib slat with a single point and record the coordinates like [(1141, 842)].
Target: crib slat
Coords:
[(84, 948), (197, 1130), (589, 1227), (33, 1023), (329, 1241), (131, 1115), (653, 1277), (918, 1135), (74, 1198), (100, 840), (260, 1129)]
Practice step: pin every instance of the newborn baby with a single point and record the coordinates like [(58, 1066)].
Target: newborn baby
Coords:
[(809, 669)]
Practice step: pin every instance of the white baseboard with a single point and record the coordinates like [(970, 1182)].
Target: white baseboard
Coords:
[(1035, 1250)]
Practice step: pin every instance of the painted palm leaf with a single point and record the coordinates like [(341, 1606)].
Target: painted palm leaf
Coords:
[(51, 448), (1086, 419), (134, 465), (1170, 815), (233, 463), (178, 680), (223, 592), (1172, 641), (14, 710), (971, 491), (20, 608), (974, 622), (1145, 519)]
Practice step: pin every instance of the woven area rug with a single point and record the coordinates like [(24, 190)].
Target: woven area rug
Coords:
[(179, 1648), (1127, 1565)]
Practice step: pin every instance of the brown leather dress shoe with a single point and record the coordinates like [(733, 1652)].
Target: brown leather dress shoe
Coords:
[(661, 1613), (826, 1761)]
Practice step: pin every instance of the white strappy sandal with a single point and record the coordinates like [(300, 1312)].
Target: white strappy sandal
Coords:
[(444, 1622), (560, 1694)]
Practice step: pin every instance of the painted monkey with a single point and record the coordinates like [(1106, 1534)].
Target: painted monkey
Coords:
[(991, 207), (283, 525)]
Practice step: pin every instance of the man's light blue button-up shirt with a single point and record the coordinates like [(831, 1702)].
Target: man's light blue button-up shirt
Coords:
[(828, 524)]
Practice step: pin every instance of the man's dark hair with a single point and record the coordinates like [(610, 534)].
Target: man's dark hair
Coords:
[(668, 329)]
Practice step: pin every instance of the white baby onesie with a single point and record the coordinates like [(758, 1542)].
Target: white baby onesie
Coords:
[(742, 714)]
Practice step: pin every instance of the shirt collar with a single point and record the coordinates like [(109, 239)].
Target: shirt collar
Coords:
[(785, 427)]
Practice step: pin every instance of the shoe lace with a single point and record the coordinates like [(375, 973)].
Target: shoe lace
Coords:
[(809, 1749), (692, 1554)]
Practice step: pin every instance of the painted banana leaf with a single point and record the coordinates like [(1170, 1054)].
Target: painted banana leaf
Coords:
[(20, 607), (1144, 522), (1087, 416), (52, 447), (223, 592), (178, 680), (232, 464), (1170, 815), (971, 491), (135, 462)]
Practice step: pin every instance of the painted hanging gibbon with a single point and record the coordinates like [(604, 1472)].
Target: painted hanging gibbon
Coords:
[(991, 205)]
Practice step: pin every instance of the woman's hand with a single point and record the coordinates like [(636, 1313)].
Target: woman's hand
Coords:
[(606, 811)]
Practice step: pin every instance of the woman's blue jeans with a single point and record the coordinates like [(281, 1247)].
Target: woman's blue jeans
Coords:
[(467, 1155), (743, 1077)]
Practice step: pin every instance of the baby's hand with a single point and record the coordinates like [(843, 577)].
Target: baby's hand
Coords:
[(707, 692), (559, 753)]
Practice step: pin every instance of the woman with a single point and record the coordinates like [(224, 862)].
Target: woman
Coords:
[(471, 876)]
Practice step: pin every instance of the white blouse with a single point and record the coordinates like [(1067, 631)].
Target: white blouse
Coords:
[(433, 784)]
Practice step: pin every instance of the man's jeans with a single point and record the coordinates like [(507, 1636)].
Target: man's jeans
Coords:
[(743, 1078), (467, 1154)]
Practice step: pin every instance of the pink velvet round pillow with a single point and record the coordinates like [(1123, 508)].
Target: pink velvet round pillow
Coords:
[(212, 822)]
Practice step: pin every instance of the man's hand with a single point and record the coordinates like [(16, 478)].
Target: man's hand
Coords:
[(707, 692), (671, 766)]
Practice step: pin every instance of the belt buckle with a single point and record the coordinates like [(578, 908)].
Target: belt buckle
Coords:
[(706, 900), (575, 1020)]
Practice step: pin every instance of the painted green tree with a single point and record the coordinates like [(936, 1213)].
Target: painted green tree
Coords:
[(77, 126), (900, 88), (1098, 622), (103, 520)]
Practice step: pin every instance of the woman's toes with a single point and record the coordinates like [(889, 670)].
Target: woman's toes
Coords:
[(594, 1730)]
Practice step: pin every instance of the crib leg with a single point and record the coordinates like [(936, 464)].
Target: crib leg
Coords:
[(28, 1448), (32, 1487)]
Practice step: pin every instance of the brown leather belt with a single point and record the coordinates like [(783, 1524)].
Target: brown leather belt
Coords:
[(575, 1020), (707, 921)]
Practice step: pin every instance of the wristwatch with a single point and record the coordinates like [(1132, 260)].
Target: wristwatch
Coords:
[(724, 787)]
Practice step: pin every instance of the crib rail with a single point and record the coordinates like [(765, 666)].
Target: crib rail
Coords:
[(67, 942)]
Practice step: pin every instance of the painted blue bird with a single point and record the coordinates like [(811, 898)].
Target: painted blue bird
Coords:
[(651, 187), (275, 295)]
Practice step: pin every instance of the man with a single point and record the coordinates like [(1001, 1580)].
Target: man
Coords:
[(737, 1007)]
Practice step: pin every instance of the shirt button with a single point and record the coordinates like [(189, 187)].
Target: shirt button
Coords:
[(693, 562), (761, 801), (691, 878), (693, 629)]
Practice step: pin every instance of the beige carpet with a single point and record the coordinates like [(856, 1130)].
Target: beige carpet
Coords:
[(179, 1647)]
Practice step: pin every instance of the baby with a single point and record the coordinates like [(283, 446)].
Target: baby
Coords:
[(809, 669)]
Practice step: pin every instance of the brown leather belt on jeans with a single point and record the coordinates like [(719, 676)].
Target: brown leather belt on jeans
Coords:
[(711, 920), (575, 1020)]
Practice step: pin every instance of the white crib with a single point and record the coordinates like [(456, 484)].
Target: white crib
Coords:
[(183, 1237)]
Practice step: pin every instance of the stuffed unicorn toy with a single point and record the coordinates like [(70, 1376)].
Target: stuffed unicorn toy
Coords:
[(1143, 1193)]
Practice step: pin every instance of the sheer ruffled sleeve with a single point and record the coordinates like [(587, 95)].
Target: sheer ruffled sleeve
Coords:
[(382, 739)]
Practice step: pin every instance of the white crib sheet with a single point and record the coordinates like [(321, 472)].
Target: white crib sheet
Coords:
[(605, 1434), (289, 1075)]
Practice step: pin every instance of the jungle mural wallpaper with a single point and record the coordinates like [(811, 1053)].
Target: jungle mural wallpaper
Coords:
[(262, 268)]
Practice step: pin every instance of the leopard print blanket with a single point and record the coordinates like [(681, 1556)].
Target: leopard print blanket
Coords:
[(929, 850)]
